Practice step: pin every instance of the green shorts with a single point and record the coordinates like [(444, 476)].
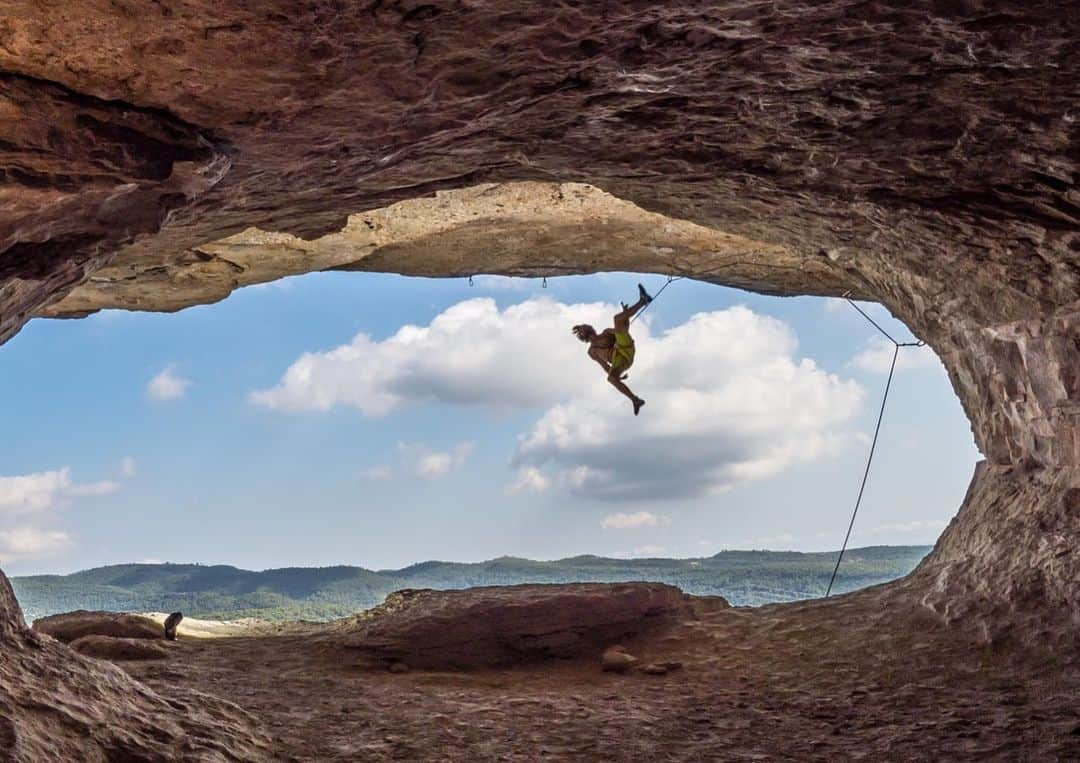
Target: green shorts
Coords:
[(622, 354)]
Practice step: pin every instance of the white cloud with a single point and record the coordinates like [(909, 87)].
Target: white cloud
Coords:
[(127, 467), (470, 354), (728, 400), (167, 386), (877, 357), (33, 492), (934, 526), (380, 472), (22, 542), (151, 560), (41, 491), (428, 464), (104, 487), (28, 503), (622, 521), (529, 480)]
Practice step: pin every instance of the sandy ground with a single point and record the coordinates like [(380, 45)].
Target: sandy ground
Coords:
[(837, 680)]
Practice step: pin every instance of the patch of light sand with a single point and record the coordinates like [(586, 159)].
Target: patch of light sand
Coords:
[(191, 627)]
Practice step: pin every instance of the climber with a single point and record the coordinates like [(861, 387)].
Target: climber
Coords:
[(613, 348)]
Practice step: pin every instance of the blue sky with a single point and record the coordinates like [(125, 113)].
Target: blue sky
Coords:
[(187, 438)]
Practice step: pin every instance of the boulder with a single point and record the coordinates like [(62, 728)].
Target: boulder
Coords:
[(508, 625), (112, 648), (70, 626), (617, 660), (172, 622), (58, 705)]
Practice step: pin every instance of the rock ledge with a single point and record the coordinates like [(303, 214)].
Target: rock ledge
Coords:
[(509, 625)]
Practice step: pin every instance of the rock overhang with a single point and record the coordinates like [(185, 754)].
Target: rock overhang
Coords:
[(922, 155)]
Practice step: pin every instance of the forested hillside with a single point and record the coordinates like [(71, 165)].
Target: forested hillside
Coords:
[(321, 593)]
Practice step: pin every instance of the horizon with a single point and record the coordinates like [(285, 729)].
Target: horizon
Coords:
[(167, 563), (338, 418)]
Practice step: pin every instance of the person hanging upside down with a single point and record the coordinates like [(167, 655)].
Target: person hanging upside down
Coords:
[(613, 348)]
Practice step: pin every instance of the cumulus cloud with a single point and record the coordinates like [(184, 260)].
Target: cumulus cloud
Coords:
[(471, 354), (28, 504), (428, 464), (623, 521), (529, 480), (41, 491), (104, 487), (33, 492), (167, 386), (728, 401), (877, 357), (24, 542)]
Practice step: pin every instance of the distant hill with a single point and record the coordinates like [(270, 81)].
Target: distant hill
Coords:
[(745, 578)]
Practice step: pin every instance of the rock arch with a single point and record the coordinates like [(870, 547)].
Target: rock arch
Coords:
[(921, 154)]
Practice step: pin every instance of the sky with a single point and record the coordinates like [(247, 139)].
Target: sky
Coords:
[(379, 421)]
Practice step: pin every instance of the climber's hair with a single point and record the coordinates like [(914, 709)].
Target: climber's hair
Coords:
[(584, 332)]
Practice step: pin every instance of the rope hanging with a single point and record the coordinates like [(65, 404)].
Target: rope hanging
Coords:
[(670, 280), (877, 429)]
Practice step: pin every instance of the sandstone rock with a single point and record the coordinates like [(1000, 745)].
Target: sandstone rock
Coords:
[(69, 626), (113, 648), (172, 622), (920, 154), (507, 625), (617, 660), (398, 667), (56, 704)]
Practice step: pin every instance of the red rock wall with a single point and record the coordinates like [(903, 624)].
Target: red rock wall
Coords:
[(56, 705), (925, 150)]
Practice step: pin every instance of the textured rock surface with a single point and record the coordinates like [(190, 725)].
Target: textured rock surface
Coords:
[(855, 677), (69, 626), (115, 648), (510, 228), (510, 625), (991, 571), (920, 153), (56, 704)]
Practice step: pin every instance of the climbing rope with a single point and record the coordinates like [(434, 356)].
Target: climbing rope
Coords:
[(881, 413), (670, 280)]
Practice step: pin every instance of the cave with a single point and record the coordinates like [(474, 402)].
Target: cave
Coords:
[(923, 155)]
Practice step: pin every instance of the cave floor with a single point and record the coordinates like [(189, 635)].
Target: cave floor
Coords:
[(842, 680)]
